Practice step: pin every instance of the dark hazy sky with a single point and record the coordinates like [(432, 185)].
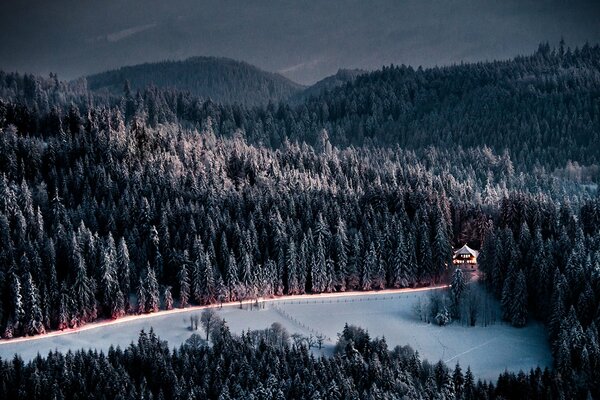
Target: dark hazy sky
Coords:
[(304, 40)]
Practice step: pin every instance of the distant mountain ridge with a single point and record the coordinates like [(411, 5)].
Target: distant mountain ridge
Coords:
[(221, 79)]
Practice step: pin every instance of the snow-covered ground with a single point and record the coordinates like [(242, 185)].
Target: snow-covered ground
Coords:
[(488, 350)]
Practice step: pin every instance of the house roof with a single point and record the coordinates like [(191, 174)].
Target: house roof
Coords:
[(466, 250)]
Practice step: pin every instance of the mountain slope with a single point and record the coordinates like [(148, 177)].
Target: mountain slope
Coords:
[(543, 108), (220, 79), (331, 82)]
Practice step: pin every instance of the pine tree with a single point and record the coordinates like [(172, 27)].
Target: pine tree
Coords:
[(518, 306), (209, 285), (341, 253), (112, 297), (369, 265), (63, 312), (168, 298), (18, 306), (197, 283), (458, 380), (231, 272), (124, 270), (424, 254), (291, 262), (456, 291), (469, 386), (142, 299), (442, 249), (83, 294), (329, 274), (184, 286), (558, 311), (34, 324), (152, 294), (354, 264), (319, 270), (399, 276), (246, 270), (378, 279), (507, 296)]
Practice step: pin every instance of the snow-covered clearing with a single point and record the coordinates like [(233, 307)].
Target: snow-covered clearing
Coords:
[(488, 350)]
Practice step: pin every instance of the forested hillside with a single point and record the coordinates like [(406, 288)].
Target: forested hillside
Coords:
[(544, 109), (220, 79), (340, 78), (127, 204)]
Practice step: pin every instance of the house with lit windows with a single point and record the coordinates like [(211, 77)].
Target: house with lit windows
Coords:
[(465, 258)]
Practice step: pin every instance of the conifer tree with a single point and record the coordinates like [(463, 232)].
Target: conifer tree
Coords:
[(369, 264), (124, 270), (291, 262), (18, 304), (184, 286), (152, 294), (142, 298), (168, 298), (519, 301), (83, 294), (34, 324), (456, 291)]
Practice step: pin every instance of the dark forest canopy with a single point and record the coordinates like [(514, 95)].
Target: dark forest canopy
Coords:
[(115, 204)]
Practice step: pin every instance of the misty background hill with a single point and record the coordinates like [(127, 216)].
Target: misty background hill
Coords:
[(219, 79)]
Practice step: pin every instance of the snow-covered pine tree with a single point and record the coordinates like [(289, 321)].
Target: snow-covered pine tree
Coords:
[(368, 266), (518, 303), (291, 262), (456, 292), (17, 303), (141, 296), (168, 298), (319, 271), (152, 292), (184, 286), (83, 294), (399, 276), (34, 324), (442, 249), (124, 270)]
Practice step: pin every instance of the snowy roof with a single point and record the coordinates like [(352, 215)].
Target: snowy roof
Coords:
[(466, 250)]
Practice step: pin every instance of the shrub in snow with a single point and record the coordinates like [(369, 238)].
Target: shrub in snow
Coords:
[(442, 317)]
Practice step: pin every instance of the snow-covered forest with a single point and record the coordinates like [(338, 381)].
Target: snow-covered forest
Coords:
[(156, 199)]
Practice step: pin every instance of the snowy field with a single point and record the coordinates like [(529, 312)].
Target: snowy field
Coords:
[(488, 350)]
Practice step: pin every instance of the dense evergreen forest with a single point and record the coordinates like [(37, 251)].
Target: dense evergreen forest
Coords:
[(544, 109), (219, 79), (262, 366), (114, 204)]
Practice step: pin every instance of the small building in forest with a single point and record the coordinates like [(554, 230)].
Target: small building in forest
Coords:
[(465, 258)]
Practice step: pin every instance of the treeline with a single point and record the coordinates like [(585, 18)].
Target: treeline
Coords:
[(251, 366), (542, 108), (544, 262)]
